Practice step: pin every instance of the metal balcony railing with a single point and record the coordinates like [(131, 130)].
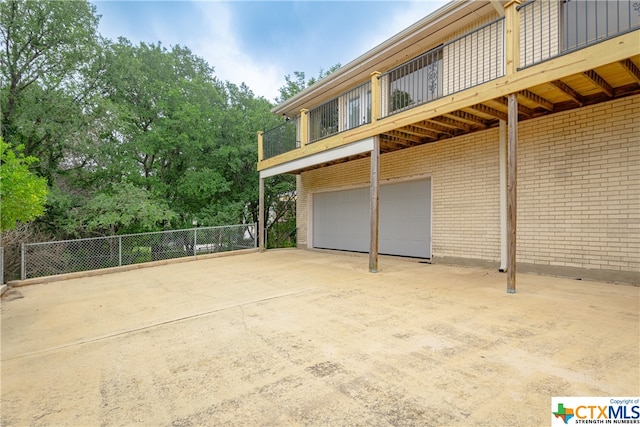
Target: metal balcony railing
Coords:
[(552, 28), (280, 139), (472, 59), (324, 120), (347, 111), (547, 29)]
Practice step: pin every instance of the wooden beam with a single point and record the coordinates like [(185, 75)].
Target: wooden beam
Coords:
[(631, 68), (469, 118), (452, 123), (396, 140), (373, 226), (606, 52), (481, 108), (387, 145), (567, 90), (260, 146), (512, 36), (600, 54), (400, 133), (536, 99), (304, 127), (512, 194), (503, 195), (418, 131), (600, 83), (376, 99), (525, 111), (434, 127), (497, 5), (261, 223)]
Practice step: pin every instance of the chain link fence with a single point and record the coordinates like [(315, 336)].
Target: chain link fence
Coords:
[(68, 256)]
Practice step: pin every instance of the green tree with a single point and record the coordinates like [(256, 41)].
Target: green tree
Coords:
[(22, 194), (400, 99), (48, 69), (298, 83), (280, 191), (123, 208)]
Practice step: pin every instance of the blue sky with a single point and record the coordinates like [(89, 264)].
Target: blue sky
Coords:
[(259, 42)]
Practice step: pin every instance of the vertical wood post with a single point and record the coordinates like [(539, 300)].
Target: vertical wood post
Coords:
[(512, 36), (503, 196), (375, 182), (261, 220), (512, 193), (304, 127), (376, 98), (260, 146)]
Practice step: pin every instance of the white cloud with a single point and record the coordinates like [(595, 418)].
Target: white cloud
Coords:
[(219, 46), (407, 14)]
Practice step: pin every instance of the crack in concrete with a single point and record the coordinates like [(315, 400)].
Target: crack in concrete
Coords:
[(155, 325)]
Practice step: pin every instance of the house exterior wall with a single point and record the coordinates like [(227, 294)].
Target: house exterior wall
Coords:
[(578, 189)]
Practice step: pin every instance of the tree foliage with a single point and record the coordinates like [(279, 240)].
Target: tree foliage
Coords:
[(50, 52), (22, 194), (299, 82), (129, 137)]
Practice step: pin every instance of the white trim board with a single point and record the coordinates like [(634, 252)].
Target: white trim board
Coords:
[(352, 149)]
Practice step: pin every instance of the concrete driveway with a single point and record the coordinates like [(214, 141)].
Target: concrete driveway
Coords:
[(294, 337)]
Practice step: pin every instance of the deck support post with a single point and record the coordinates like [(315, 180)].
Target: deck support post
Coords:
[(503, 195), (375, 183), (261, 220), (512, 36), (260, 146), (512, 194), (375, 96), (304, 127)]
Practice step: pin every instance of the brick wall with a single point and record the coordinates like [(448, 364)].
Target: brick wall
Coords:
[(578, 189)]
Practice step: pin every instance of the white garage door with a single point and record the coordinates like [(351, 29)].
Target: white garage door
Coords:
[(341, 219)]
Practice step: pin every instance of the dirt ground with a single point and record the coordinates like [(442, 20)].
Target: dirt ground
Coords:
[(296, 337)]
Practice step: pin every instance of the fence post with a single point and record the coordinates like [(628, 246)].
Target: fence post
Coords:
[(195, 240), (23, 259), (119, 251), (1, 265), (255, 235)]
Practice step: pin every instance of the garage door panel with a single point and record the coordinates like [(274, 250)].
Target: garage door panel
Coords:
[(341, 219), (405, 219)]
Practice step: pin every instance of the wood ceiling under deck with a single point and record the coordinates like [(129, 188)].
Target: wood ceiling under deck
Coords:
[(590, 87), (597, 85)]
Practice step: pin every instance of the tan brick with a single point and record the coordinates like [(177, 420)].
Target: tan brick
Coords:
[(578, 188)]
